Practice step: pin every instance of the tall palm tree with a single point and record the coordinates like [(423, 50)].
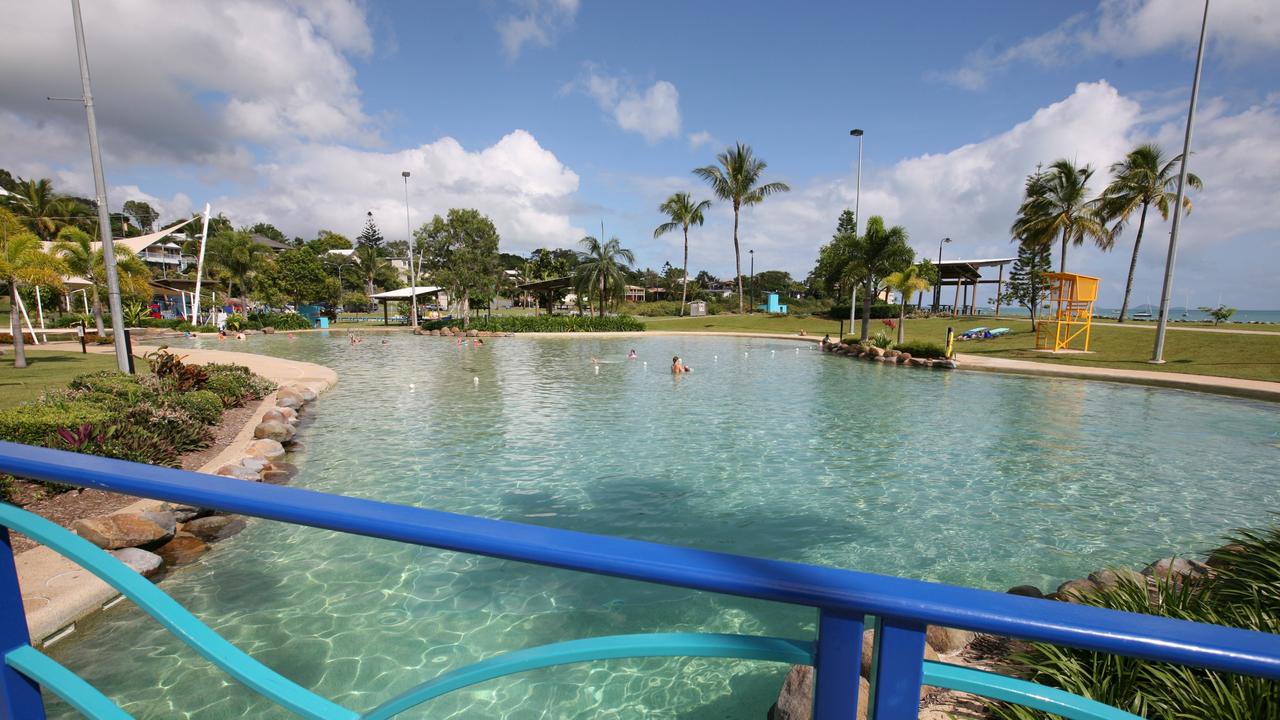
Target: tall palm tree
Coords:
[(1144, 178), (908, 281), (22, 261), (874, 255), (371, 265), (84, 257), (1057, 203), (44, 210), (737, 181), (601, 265), (683, 212), (237, 257)]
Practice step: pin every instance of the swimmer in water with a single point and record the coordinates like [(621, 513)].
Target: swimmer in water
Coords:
[(240, 336), (292, 336), (386, 341), (478, 343), (679, 368), (631, 355)]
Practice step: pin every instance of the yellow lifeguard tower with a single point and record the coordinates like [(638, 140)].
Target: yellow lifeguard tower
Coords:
[(1071, 298)]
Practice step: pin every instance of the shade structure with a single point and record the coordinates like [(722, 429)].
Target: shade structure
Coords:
[(406, 293)]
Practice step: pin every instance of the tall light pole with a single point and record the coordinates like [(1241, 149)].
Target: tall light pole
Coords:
[(937, 290), (752, 253), (857, 218), (413, 266), (1157, 355), (100, 188)]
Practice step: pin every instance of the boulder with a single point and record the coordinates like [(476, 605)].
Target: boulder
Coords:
[(1225, 555), (140, 561), (1073, 591), (214, 528), (947, 640), (183, 513), (290, 415), (868, 645), (904, 357), (434, 333), (917, 362), (876, 351), (472, 333), (239, 472), (275, 414), (122, 530), (164, 519), (307, 392), (289, 396), (1026, 591), (891, 353), (1175, 566), (1111, 578), (183, 549), (289, 431), (273, 430), (945, 363), (265, 448), (255, 464), (795, 700), (268, 330)]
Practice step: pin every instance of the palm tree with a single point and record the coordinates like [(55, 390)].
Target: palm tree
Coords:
[(737, 181), (45, 211), (237, 257), (23, 261), (1057, 203), (1144, 178), (683, 212), (907, 282), (84, 257), (601, 265), (371, 265), (875, 254)]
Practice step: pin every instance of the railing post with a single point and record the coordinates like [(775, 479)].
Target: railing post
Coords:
[(899, 669), (19, 695), (835, 682)]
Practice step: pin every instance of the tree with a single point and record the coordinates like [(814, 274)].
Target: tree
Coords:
[(1144, 178), (236, 257), (370, 235), (44, 210), (267, 230), (460, 254), (327, 240), (371, 266), (683, 212), (1220, 314), (778, 281), (1027, 286), (1057, 203), (83, 257), (908, 281), (23, 262), (296, 274), (873, 256), (737, 181), (142, 211), (603, 265), (549, 264), (833, 272)]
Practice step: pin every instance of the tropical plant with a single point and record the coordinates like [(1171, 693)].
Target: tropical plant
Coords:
[(1220, 314), (1142, 180), (22, 261), (1057, 205), (1027, 285), (737, 181), (873, 256), (84, 258), (236, 257), (683, 212), (44, 210), (135, 313), (602, 265), (370, 264), (907, 281), (460, 253)]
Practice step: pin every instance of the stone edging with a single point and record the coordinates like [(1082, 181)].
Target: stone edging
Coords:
[(57, 593)]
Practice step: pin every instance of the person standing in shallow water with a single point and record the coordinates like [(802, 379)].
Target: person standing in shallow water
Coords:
[(679, 368)]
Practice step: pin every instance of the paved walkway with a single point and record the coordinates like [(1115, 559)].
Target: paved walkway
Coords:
[(57, 593)]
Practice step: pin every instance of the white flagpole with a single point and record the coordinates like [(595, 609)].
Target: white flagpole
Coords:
[(204, 234), (40, 310), (23, 308)]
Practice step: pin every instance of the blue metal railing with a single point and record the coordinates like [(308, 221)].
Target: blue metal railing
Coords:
[(904, 608)]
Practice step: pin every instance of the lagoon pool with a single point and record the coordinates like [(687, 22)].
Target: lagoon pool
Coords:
[(768, 448)]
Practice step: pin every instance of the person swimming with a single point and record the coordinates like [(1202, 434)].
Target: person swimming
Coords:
[(678, 368), (292, 336), (631, 355)]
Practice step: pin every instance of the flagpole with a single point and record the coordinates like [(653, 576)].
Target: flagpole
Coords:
[(195, 302)]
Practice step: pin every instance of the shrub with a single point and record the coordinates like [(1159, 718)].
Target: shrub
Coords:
[(548, 323), (882, 340), (235, 323), (188, 327), (8, 489), (234, 384), (34, 424), (173, 373), (128, 388), (879, 310), (922, 349), (139, 444), (175, 426), (282, 321), (204, 405)]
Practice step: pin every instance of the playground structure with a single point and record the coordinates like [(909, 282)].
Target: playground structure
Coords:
[(1071, 298), (772, 305)]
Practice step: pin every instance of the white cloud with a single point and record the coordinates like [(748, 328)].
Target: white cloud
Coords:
[(700, 138), (1239, 31), (653, 112), (536, 22)]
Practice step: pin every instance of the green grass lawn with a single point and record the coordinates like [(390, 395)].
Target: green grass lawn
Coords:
[(1253, 357), (46, 369)]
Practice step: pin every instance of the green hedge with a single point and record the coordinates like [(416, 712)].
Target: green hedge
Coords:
[(35, 424), (204, 405), (234, 384), (547, 323), (922, 349), (879, 311), (281, 321)]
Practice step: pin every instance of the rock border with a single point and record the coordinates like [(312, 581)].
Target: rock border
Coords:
[(887, 356)]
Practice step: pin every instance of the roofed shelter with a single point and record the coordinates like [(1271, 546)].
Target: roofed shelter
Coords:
[(402, 294), (541, 286), (966, 276)]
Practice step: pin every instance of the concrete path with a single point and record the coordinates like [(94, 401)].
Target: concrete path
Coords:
[(56, 592)]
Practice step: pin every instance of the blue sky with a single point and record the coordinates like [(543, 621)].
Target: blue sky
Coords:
[(555, 115)]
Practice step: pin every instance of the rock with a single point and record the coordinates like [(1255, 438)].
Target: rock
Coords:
[(1026, 591), (122, 530), (289, 396), (1072, 591), (239, 472), (947, 640), (1225, 556), (275, 414), (1164, 567), (276, 477), (917, 362), (306, 392), (290, 415), (183, 549), (217, 527), (472, 333), (795, 700), (277, 431), (948, 364), (1112, 578), (255, 464), (435, 333), (868, 644), (878, 352), (904, 357), (183, 513), (268, 330), (289, 431), (892, 354), (164, 519), (140, 561), (265, 448)]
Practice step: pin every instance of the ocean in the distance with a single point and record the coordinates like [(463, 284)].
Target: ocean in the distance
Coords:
[(1176, 314)]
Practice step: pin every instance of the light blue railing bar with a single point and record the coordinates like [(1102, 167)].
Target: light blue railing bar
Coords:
[(65, 684), (174, 617), (1021, 692), (612, 647)]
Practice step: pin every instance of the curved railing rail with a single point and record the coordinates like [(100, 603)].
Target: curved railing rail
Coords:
[(842, 597)]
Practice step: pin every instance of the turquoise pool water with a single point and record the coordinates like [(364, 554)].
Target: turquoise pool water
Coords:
[(767, 449)]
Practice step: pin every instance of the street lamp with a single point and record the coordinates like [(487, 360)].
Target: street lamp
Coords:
[(857, 218), (937, 289), (413, 267), (752, 253), (1157, 355)]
